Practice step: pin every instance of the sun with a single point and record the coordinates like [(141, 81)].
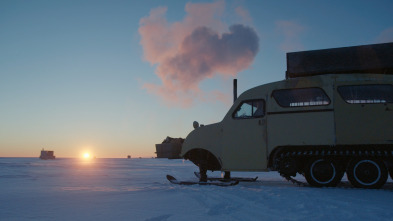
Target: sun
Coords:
[(86, 155)]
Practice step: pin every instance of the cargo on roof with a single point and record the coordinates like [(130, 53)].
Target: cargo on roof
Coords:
[(375, 58)]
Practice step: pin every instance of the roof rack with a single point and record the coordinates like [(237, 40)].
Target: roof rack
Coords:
[(374, 58)]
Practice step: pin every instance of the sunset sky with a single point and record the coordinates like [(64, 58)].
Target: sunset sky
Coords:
[(113, 78)]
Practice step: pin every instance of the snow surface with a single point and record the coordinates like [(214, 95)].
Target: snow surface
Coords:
[(137, 189)]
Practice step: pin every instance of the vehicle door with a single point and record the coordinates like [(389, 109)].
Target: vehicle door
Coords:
[(244, 137), (364, 113)]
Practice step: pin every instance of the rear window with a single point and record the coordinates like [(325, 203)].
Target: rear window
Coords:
[(367, 94), (301, 97)]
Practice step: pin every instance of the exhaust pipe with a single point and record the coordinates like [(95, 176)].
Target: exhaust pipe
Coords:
[(234, 90)]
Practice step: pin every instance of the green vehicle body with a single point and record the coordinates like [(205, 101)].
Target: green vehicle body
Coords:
[(339, 112)]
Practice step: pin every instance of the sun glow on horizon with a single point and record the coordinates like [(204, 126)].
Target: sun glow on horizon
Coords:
[(86, 155)]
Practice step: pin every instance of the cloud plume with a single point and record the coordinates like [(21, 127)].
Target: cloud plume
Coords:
[(199, 47), (385, 36)]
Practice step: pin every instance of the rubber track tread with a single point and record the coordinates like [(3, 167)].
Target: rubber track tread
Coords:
[(383, 153)]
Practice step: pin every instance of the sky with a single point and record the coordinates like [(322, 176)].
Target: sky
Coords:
[(114, 78)]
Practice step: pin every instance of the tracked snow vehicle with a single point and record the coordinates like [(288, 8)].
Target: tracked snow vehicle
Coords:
[(333, 114)]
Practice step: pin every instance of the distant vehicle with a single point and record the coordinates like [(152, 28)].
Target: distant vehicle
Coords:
[(332, 114), (170, 148), (47, 155)]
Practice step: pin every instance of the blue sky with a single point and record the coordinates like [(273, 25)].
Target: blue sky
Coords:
[(72, 73)]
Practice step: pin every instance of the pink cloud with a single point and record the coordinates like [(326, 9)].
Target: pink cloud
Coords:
[(291, 32), (199, 47), (385, 36)]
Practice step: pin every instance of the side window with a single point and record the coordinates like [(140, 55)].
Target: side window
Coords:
[(367, 94), (301, 97), (250, 109)]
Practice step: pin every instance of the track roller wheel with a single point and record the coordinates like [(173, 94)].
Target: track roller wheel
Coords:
[(323, 173), (367, 173), (391, 172)]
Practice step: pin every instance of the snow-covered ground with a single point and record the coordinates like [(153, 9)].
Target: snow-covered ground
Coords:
[(137, 189)]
